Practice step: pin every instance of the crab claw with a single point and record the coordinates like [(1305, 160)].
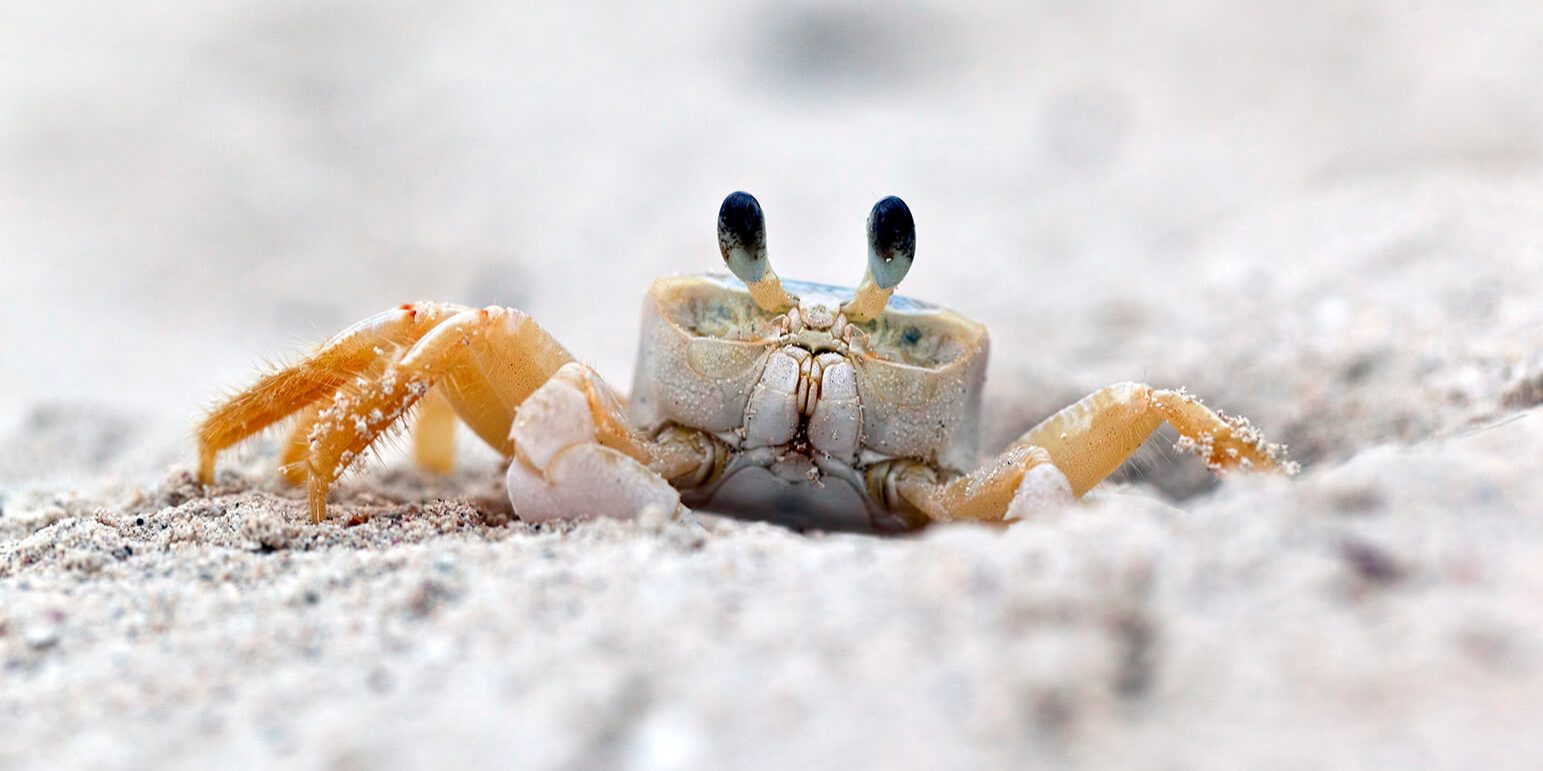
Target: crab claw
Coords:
[(561, 471)]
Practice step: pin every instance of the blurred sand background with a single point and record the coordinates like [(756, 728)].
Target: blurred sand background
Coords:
[(1324, 216)]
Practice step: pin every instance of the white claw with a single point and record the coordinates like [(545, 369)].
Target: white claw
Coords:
[(560, 472), (586, 481), (557, 416)]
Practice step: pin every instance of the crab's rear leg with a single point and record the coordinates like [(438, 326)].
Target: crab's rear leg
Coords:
[(1071, 451), (1017, 483), (317, 377), (1090, 439), (292, 458), (433, 437), (434, 433), (293, 466), (486, 362)]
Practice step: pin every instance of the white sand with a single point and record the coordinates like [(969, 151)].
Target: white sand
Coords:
[(1327, 219)]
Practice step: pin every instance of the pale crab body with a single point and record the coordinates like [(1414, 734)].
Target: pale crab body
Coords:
[(806, 401), (807, 404)]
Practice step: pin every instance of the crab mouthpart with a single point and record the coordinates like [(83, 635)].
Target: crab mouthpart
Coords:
[(817, 328)]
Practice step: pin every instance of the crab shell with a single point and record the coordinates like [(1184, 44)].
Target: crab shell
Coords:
[(706, 346)]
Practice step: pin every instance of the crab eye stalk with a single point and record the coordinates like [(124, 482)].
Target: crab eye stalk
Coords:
[(891, 242), (742, 236), (891, 250), (742, 241)]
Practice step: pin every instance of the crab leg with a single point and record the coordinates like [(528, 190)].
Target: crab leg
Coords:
[(1018, 482), (1073, 450), (487, 362), (433, 436), (434, 433), (317, 377), (490, 361), (292, 465), (293, 468), (1090, 439)]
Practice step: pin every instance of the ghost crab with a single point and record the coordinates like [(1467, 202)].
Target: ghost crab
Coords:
[(807, 404)]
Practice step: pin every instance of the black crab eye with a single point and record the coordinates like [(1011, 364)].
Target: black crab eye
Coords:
[(742, 236), (891, 241)]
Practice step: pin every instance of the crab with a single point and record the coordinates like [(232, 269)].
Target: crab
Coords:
[(811, 405)]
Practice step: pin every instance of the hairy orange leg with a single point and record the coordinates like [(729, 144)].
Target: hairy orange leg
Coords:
[(434, 433), (292, 465), (293, 468), (508, 357), (1071, 451), (486, 361), (318, 376), (1090, 439), (1013, 484)]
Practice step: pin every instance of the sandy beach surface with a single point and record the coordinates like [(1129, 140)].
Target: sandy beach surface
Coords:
[(1325, 217)]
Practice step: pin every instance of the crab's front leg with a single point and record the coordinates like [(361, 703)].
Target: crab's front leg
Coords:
[(576, 455), (1071, 451)]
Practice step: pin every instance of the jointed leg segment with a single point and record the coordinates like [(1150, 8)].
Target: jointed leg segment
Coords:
[(316, 378), (362, 382), (1090, 439), (1071, 451), (486, 361), (292, 459), (434, 433), (496, 370), (1015, 484)]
